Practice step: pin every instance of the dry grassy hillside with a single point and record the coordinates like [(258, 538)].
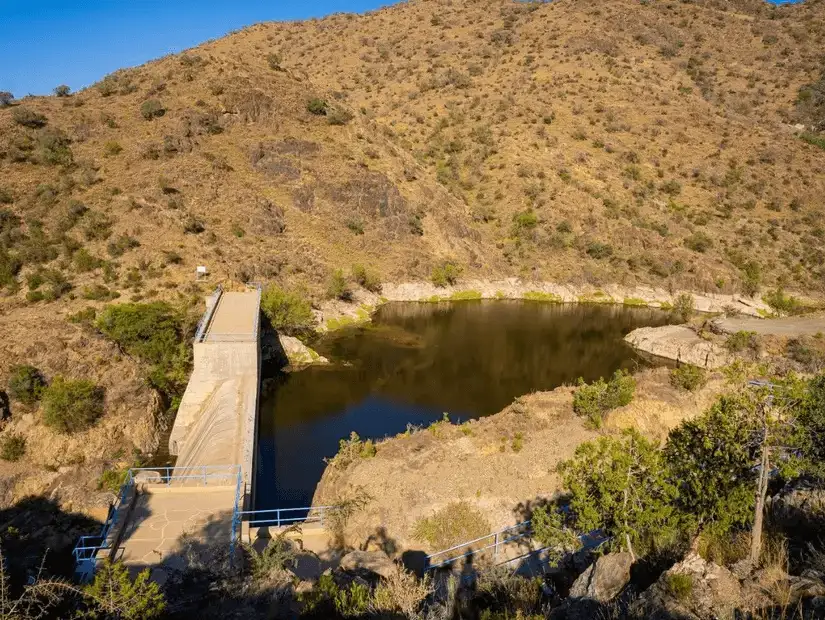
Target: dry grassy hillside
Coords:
[(622, 141)]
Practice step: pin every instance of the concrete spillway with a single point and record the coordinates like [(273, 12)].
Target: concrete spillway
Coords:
[(216, 420)]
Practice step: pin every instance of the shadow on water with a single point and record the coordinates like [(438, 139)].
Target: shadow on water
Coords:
[(417, 361)]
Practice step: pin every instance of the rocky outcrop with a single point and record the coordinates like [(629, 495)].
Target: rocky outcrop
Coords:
[(679, 343), (376, 562), (299, 354), (692, 589), (604, 579)]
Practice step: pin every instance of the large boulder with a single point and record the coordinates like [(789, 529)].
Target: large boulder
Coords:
[(692, 589), (375, 562), (680, 343), (604, 579)]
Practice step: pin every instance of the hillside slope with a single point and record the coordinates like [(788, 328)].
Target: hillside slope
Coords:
[(622, 142)]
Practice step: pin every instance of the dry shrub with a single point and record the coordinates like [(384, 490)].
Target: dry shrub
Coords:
[(402, 592), (455, 523)]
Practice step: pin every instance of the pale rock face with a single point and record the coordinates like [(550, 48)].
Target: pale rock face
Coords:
[(680, 343), (603, 579), (298, 353)]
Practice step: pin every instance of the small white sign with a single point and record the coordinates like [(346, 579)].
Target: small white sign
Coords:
[(201, 270)]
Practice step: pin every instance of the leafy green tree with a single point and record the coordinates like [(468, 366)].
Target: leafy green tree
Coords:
[(621, 485), (550, 530), (711, 460), (806, 436), (338, 286), (594, 400), (115, 595)]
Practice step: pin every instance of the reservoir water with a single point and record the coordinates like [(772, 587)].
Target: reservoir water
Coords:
[(415, 362)]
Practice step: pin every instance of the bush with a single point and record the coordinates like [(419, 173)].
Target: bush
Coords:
[(687, 377), (84, 261), (28, 118), (680, 585), (683, 307), (366, 278), (596, 399), (157, 334), (446, 273), (26, 384), (288, 311), (455, 523), (53, 148), (741, 340), (698, 242), (6, 99), (781, 303), (71, 406), (274, 61), (352, 449), (317, 106), (339, 116), (338, 287), (599, 250), (12, 447), (524, 222), (549, 529), (116, 595), (151, 109), (112, 148), (62, 91), (112, 479)]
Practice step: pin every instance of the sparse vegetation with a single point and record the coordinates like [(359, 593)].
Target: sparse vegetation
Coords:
[(445, 274), (366, 278), (317, 106), (594, 400), (455, 523), (742, 341), (687, 377), (338, 286), (683, 307), (70, 406), (288, 311), (151, 109), (28, 118), (12, 447), (26, 383)]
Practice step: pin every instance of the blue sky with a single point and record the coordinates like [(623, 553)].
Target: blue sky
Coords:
[(44, 43)]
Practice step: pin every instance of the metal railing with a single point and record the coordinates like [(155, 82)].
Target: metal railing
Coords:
[(278, 517), (87, 548), (211, 304), (495, 540)]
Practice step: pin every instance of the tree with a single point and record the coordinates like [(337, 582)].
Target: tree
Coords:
[(71, 406), (152, 109), (62, 91), (550, 530), (288, 311), (621, 486), (6, 98), (711, 461), (115, 595), (26, 383)]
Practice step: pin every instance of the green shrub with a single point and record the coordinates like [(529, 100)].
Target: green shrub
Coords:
[(446, 273), (366, 278), (524, 222), (813, 139), (594, 400), (781, 303), (116, 595), (356, 225), (152, 108), (112, 479), (683, 307), (26, 383), (157, 333), (98, 226), (121, 245), (598, 250), (99, 292), (338, 286), (112, 148), (352, 449), (288, 311), (353, 601), (71, 406), (699, 242), (6, 98), (84, 261), (28, 118), (53, 148), (12, 447), (680, 585), (415, 224), (549, 529), (62, 91), (455, 523), (741, 340), (317, 106), (687, 377)]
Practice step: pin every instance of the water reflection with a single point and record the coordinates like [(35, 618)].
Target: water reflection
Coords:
[(417, 361)]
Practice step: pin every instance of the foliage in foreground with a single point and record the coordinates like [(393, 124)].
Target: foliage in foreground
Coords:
[(687, 377), (594, 400)]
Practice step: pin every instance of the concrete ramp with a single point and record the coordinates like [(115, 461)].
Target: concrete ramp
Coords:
[(215, 424)]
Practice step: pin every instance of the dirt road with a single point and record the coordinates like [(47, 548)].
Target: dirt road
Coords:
[(809, 325)]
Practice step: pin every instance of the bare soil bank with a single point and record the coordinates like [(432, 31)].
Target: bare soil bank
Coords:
[(413, 475)]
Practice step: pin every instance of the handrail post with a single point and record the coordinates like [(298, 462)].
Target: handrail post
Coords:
[(203, 467), (495, 549)]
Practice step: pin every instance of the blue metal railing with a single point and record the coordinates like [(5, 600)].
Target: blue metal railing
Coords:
[(278, 517), (87, 548)]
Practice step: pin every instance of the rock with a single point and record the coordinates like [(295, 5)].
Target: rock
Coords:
[(680, 343), (298, 353), (372, 561), (693, 588), (604, 579)]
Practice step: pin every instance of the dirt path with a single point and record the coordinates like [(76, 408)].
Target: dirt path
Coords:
[(790, 326)]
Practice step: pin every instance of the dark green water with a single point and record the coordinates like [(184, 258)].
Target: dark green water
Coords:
[(417, 361)]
